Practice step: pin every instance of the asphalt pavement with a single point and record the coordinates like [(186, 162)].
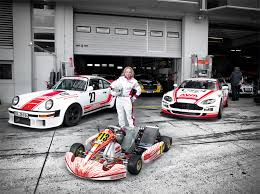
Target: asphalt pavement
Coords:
[(207, 156)]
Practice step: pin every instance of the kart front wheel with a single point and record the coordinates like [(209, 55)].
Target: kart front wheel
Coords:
[(135, 164), (78, 150), (167, 143)]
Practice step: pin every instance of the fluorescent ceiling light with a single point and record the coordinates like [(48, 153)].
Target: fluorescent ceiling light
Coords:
[(215, 38), (180, 1)]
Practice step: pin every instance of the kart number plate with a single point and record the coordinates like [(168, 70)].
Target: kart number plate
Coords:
[(21, 114), (103, 136), (149, 91)]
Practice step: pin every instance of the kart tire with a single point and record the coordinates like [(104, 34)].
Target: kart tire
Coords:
[(78, 150), (73, 115), (167, 143), (135, 164)]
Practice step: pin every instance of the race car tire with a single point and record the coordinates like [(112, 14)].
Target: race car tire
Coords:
[(135, 164), (114, 106), (167, 143), (220, 110), (78, 150), (73, 115)]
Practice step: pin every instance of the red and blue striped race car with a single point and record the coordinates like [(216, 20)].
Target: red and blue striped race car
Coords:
[(68, 100), (196, 98)]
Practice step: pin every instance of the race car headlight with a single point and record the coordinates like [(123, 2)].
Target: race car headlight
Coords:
[(167, 98), (15, 100), (208, 101), (49, 104)]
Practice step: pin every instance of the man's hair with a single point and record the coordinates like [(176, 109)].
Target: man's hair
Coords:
[(131, 69), (237, 68)]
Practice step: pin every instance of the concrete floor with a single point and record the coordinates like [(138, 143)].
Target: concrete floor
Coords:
[(216, 156)]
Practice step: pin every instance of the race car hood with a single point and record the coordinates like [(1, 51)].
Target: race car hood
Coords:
[(190, 95), (36, 100)]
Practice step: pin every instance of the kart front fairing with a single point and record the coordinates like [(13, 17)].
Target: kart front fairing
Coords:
[(92, 165), (93, 169)]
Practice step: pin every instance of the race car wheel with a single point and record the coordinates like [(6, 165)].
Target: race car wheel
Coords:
[(220, 110), (114, 106), (135, 164), (72, 115), (167, 143), (78, 150)]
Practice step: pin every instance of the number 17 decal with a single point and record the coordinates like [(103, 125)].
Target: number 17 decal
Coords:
[(92, 97)]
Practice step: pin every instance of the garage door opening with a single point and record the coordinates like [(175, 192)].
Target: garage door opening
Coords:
[(164, 70)]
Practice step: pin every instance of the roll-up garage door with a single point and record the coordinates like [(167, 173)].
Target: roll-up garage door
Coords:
[(126, 36)]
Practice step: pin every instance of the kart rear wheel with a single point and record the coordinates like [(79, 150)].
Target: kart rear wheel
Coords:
[(78, 150), (135, 164), (72, 115), (167, 143)]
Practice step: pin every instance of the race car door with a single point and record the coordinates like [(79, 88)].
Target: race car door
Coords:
[(106, 91), (96, 96)]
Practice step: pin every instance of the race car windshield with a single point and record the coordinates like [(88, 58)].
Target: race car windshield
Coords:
[(208, 85), (71, 84)]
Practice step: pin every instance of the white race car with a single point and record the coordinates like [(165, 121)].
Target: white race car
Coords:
[(69, 100), (196, 98)]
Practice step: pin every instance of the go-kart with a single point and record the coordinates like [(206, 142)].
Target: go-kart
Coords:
[(113, 151)]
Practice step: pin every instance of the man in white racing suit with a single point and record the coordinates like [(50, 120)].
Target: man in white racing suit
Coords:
[(127, 90)]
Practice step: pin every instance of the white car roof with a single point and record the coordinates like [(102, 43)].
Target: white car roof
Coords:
[(83, 76)]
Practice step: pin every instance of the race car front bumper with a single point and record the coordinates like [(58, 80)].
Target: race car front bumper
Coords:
[(35, 119), (209, 111)]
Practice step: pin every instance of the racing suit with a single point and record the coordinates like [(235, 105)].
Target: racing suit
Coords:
[(124, 102)]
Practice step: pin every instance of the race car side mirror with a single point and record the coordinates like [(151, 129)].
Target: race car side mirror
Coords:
[(90, 88)]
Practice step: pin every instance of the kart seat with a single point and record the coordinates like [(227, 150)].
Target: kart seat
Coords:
[(128, 143)]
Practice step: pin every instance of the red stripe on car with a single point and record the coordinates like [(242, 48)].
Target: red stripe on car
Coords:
[(210, 92), (38, 100), (175, 94), (107, 100)]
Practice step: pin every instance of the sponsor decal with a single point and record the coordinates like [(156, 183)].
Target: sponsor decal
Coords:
[(188, 96)]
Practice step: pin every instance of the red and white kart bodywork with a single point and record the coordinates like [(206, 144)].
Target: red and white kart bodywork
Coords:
[(103, 158), (196, 98), (69, 100)]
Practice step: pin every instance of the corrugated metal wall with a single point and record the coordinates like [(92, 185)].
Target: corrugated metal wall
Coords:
[(6, 24), (126, 36)]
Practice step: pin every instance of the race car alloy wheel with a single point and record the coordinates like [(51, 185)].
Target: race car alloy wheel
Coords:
[(167, 143), (72, 115), (135, 164), (78, 150), (220, 110)]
